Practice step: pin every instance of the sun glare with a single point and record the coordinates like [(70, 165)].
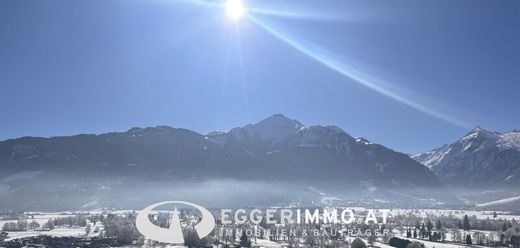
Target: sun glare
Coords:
[(235, 9)]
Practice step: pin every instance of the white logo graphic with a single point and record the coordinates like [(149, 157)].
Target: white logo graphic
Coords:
[(173, 234)]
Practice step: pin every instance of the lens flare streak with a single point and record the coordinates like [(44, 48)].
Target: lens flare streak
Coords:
[(371, 82)]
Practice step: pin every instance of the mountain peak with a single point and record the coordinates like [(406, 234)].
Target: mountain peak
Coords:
[(273, 129), (149, 130), (477, 129), (277, 126), (278, 120)]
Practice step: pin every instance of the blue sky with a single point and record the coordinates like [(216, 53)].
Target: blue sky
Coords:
[(411, 75)]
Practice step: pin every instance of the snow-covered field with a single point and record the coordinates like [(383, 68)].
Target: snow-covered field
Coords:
[(57, 232), (41, 218), (429, 244), (481, 215)]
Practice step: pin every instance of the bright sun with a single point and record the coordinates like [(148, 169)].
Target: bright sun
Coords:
[(234, 8)]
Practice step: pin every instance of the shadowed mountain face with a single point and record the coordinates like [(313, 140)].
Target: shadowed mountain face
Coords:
[(481, 159), (275, 161)]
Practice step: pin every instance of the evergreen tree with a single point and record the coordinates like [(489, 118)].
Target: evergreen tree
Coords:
[(423, 231), (429, 226), (468, 240), (34, 225), (466, 226), (49, 225), (244, 240), (438, 225), (358, 243)]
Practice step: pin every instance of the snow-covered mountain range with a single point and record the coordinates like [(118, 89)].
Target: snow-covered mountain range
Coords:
[(480, 159)]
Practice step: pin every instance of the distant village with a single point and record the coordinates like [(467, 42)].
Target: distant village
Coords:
[(405, 229)]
